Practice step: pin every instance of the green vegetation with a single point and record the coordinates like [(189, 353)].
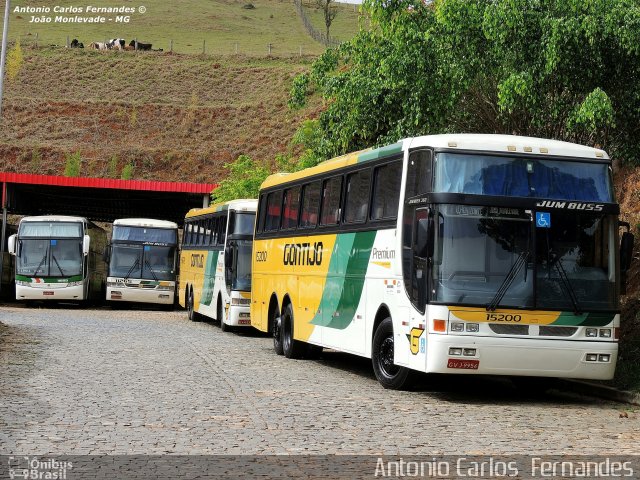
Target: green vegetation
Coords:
[(72, 167), (127, 171), (243, 181), (221, 24), (14, 61), (564, 69)]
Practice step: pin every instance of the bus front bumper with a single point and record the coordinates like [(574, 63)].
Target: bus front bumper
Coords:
[(50, 292), (140, 295), (524, 357), (239, 316)]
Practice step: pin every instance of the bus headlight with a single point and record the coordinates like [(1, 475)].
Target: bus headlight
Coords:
[(592, 332), (22, 283), (165, 287), (115, 284), (473, 327), (457, 327), (605, 332), (240, 301), (74, 284)]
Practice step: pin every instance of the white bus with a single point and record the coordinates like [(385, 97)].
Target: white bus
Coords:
[(215, 262), (476, 254), (58, 258), (142, 260)]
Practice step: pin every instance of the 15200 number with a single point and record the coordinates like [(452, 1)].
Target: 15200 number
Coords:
[(503, 317)]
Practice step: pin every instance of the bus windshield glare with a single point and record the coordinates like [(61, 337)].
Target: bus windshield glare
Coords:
[(522, 177), (50, 229), (49, 257), (497, 257), (165, 236)]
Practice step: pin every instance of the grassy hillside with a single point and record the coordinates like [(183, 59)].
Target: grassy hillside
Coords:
[(175, 117), (221, 23)]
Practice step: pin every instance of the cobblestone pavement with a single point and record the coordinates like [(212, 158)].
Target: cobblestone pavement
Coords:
[(78, 381)]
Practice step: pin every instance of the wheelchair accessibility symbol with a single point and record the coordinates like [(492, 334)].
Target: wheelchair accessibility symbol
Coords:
[(543, 220)]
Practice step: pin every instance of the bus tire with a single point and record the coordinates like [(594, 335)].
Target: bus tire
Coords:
[(276, 331), (290, 347), (191, 311), (388, 374)]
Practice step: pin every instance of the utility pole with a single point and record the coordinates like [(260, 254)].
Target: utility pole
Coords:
[(3, 56)]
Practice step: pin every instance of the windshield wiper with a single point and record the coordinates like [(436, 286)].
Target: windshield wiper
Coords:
[(508, 280), (44, 257), (136, 263), (146, 262), (567, 284), (57, 264)]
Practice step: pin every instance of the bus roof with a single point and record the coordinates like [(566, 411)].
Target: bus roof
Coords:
[(247, 204), (53, 218), (145, 222), (468, 141)]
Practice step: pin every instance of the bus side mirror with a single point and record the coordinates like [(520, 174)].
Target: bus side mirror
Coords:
[(86, 241), (626, 255), (12, 244)]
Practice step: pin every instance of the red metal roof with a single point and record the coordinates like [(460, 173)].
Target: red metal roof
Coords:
[(141, 185)]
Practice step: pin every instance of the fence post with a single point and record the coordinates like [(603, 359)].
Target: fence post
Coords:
[(171, 46), (300, 50), (236, 48), (269, 49), (36, 40), (135, 44), (204, 46), (67, 41)]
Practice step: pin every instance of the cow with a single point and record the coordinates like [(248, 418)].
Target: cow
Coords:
[(140, 46), (116, 44), (76, 44), (98, 46)]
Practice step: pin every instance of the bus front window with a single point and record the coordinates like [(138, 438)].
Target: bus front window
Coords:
[(126, 261), (49, 257), (483, 257), (158, 262), (242, 272)]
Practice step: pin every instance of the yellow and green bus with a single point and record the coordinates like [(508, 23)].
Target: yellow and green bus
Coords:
[(476, 254), (215, 262)]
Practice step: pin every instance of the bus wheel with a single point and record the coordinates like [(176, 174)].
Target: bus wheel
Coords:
[(388, 373), (290, 347), (276, 330), (220, 314), (191, 311)]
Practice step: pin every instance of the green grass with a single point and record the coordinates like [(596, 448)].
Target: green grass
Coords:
[(222, 24), (342, 27)]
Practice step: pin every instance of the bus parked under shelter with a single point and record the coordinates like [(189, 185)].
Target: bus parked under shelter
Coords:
[(215, 262)]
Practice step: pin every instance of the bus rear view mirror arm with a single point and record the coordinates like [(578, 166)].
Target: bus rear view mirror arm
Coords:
[(85, 244)]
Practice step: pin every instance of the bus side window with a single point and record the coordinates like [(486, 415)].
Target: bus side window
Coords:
[(330, 211), (188, 227), (386, 191), (274, 207), (419, 173), (214, 230), (357, 197), (310, 205), (291, 205), (262, 209)]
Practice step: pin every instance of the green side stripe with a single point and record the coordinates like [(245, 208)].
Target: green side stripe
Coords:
[(585, 319), (75, 278), (345, 280), (210, 278), (380, 152)]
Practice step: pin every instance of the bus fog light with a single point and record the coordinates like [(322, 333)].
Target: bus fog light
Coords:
[(604, 357), (469, 352), (592, 332), (457, 327), (592, 357), (455, 351), (605, 332), (473, 327)]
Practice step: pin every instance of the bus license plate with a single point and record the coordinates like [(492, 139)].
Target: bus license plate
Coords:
[(46, 292), (465, 364)]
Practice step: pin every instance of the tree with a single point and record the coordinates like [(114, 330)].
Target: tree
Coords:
[(14, 61), (244, 179), (564, 69), (329, 11), (73, 163)]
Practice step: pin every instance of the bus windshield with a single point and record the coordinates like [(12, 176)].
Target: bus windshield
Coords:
[(523, 177), (49, 257), (142, 262), (50, 229), (497, 257), (243, 224)]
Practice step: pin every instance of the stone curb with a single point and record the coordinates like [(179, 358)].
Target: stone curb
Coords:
[(600, 391)]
